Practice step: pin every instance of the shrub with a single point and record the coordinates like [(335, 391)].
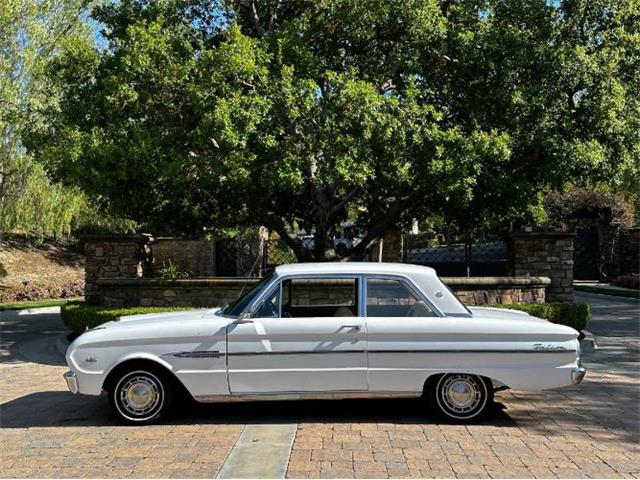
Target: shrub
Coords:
[(574, 315), (172, 271), (78, 316), (632, 280)]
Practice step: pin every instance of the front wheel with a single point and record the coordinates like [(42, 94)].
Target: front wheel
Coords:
[(460, 397), (141, 396)]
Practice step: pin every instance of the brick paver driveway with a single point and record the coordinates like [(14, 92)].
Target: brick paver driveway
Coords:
[(589, 430)]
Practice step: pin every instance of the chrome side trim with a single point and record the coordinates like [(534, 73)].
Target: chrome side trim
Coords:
[(195, 354), (315, 352), (337, 395), (72, 381)]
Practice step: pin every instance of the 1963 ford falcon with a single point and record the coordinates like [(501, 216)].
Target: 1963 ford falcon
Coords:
[(329, 330)]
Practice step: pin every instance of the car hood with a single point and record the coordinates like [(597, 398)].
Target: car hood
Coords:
[(503, 314), (160, 317)]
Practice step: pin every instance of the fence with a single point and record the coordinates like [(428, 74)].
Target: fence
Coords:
[(458, 258), (276, 252), (238, 257), (486, 257)]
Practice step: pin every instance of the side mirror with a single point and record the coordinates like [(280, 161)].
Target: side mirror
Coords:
[(243, 318)]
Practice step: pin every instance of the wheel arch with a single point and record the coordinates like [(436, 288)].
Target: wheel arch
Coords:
[(432, 379), (140, 361)]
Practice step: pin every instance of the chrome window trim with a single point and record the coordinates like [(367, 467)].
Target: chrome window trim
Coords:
[(269, 288), (410, 284)]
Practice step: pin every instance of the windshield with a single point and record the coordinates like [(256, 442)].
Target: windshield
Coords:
[(236, 308)]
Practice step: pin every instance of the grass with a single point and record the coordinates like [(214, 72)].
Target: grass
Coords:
[(616, 292), (37, 304)]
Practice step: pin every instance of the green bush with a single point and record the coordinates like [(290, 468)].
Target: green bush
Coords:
[(78, 316), (574, 315)]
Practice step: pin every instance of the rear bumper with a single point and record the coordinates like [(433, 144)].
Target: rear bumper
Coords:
[(72, 381), (577, 374)]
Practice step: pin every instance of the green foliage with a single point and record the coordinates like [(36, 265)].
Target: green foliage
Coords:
[(574, 315), (568, 209), (32, 203), (211, 114), (172, 271), (31, 34), (78, 316)]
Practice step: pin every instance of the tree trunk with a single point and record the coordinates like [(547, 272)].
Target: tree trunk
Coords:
[(320, 242)]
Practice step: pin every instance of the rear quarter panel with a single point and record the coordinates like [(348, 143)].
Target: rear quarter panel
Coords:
[(522, 354)]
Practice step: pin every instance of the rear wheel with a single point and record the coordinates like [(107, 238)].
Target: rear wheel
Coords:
[(460, 397), (141, 395)]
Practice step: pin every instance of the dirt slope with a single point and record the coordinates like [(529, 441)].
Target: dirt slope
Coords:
[(47, 264)]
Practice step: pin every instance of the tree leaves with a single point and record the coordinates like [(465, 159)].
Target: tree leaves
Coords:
[(299, 114)]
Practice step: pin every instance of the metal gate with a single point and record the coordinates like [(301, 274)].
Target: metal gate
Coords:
[(586, 254), (458, 259)]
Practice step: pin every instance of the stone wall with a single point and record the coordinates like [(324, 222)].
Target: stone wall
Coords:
[(545, 254), (498, 290), (145, 292), (198, 257), (114, 256), (215, 292)]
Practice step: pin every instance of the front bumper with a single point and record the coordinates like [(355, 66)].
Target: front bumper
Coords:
[(577, 374), (72, 381)]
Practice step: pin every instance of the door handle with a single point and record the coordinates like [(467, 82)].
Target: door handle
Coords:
[(353, 327), (241, 321)]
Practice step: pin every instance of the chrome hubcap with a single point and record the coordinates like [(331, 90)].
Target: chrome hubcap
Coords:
[(140, 394), (461, 393)]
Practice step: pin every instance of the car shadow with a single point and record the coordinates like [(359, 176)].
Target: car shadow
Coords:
[(58, 408)]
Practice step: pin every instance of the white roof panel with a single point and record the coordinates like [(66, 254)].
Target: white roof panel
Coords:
[(424, 277), (353, 267)]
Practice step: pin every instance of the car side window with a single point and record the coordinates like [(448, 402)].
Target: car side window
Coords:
[(269, 307), (320, 297), (393, 298)]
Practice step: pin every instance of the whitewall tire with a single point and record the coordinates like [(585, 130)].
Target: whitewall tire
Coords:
[(141, 396), (460, 397)]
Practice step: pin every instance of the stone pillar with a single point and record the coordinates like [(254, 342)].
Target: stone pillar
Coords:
[(545, 254), (392, 245), (113, 256)]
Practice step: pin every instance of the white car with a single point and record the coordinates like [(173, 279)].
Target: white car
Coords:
[(326, 330)]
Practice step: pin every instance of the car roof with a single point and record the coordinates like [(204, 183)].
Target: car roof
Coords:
[(321, 268)]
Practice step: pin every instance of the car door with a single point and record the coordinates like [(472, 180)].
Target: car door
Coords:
[(306, 335), (399, 321)]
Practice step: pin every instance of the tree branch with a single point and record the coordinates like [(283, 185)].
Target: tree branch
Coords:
[(379, 225), (255, 19), (276, 223)]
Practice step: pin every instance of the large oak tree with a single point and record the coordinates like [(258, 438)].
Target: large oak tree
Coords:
[(300, 113)]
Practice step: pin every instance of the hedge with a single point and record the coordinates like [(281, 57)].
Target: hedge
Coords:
[(574, 315), (78, 316)]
